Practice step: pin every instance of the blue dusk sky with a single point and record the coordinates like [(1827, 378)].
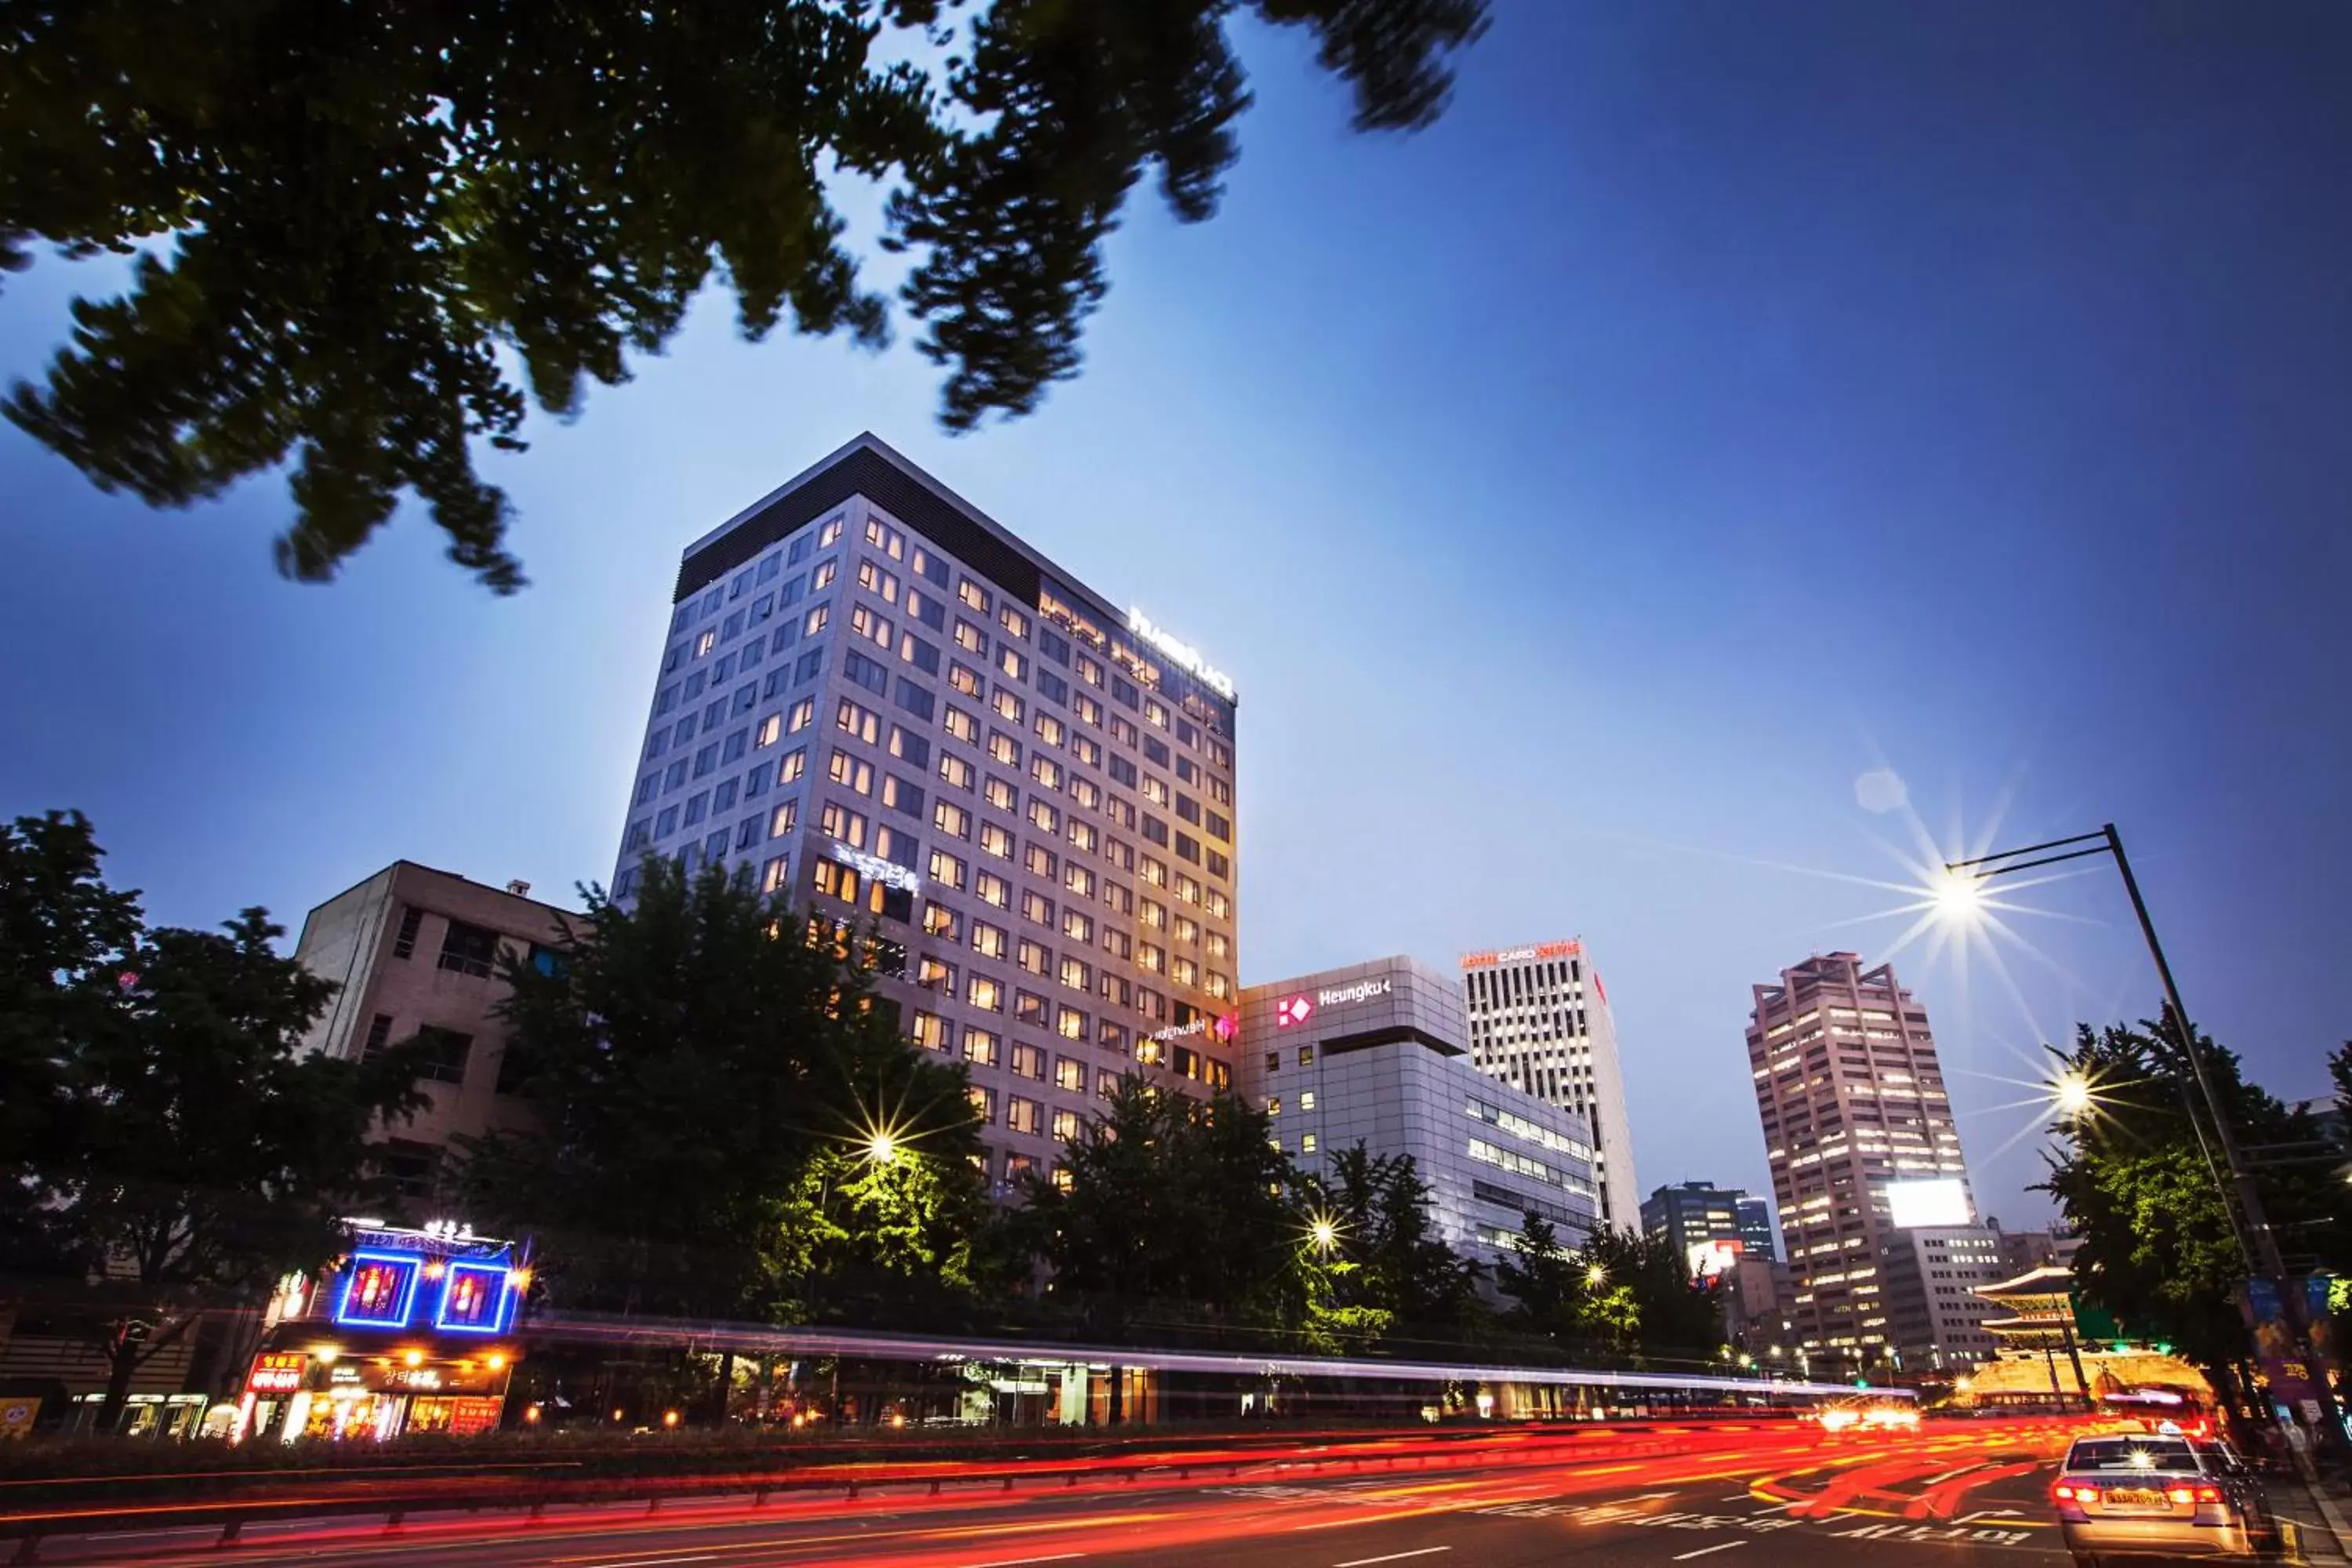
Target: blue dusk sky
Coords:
[(1728, 420)]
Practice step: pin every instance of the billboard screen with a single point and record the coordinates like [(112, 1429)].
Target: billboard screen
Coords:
[(1939, 1200), (1709, 1258)]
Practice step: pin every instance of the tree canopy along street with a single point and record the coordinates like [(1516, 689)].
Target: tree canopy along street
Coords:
[(354, 223)]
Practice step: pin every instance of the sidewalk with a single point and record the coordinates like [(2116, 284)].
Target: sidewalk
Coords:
[(2319, 1515)]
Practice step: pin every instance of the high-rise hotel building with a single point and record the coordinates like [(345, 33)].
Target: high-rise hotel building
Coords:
[(877, 698), (1859, 1137), (1540, 1021)]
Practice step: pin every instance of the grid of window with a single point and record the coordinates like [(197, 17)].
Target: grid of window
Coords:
[(1076, 721)]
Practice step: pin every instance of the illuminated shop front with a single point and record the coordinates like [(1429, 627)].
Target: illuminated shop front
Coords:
[(409, 1332)]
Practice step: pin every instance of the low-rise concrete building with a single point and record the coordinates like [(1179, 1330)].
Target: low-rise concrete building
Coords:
[(414, 950), (1375, 1054)]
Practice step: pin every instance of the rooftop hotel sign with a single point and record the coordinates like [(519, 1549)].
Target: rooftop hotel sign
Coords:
[(1183, 655), (1541, 949)]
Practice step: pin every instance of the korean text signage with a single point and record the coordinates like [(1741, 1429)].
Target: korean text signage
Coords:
[(277, 1373), (874, 868), (1222, 1026), (1183, 655), (1539, 951)]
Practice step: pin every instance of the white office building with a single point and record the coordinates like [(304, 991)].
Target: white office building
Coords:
[(1930, 1276), (1540, 1021), (1374, 1054)]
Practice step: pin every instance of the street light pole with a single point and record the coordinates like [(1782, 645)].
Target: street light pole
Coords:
[(2265, 1252), (2257, 1242)]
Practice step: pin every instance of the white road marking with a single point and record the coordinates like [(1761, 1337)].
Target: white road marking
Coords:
[(1703, 1551), (1016, 1562), (1391, 1557)]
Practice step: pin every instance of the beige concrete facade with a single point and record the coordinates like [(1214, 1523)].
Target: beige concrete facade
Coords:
[(415, 948)]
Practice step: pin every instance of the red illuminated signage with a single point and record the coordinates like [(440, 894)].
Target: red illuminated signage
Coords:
[(278, 1373), (379, 1290), (1292, 1010), (1540, 950)]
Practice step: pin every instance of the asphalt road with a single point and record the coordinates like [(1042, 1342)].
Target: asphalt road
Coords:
[(1762, 1497)]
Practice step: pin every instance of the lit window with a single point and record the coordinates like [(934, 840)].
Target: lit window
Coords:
[(877, 582)]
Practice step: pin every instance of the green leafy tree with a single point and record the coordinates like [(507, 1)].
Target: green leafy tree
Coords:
[(881, 1234), (207, 1155), (1649, 1300), (2138, 1181), (1381, 1263), (2339, 1073), (1165, 1201), (1546, 1281), (696, 1060), (347, 218), (63, 937), (1621, 1291)]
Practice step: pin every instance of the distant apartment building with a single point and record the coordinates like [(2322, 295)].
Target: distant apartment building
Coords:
[(1540, 1021), (415, 951), (1858, 1131), (1760, 1236), (1374, 1054), (878, 701), (1693, 1215), (1929, 1278)]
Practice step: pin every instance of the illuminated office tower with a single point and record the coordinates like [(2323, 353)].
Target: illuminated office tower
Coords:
[(1859, 1137), (878, 699), (1536, 1026)]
